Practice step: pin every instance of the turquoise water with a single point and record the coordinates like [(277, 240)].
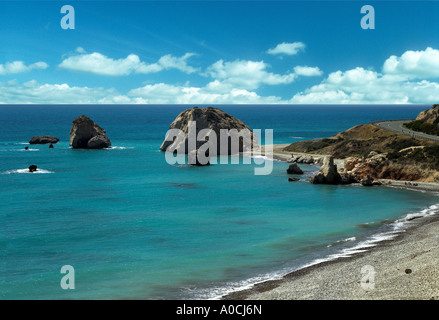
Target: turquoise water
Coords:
[(135, 227)]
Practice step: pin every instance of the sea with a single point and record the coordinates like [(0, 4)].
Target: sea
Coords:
[(132, 226)]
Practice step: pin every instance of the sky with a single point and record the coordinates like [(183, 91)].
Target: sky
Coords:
[(219, 52)]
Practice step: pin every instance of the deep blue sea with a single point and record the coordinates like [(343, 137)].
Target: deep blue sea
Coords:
[(135, 227)]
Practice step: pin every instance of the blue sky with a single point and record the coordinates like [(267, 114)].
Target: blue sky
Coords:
[(219, 52)]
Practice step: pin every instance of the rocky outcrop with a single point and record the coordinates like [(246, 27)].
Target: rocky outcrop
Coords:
[(430, 115), (215, 120), (294, 169), (86, 134), (306, 159), (360, 168), (327, 174), (33, 168), (43, 140), (367, 181)]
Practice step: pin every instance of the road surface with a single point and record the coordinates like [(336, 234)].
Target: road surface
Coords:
[(397, 126)]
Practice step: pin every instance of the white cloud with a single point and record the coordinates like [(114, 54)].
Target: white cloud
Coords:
[(213, 93), (33, 92), (414, 64), (307, 71), (245, 74), (169, 62), (287, 48), (80, 50), (20, 67), (100, 64), (365, 86)]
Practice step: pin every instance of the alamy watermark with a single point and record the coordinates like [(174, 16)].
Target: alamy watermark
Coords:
[(68, 281), (368, 279)]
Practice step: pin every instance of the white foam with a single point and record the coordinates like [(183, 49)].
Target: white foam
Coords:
[(20, 150), (119, 148), (27, 171)]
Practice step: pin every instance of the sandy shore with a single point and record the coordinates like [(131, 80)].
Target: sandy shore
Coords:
[(406, 267)]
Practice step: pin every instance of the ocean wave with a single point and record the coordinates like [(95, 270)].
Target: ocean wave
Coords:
[(27, 171), (119, 148), (20, 150), (394, 229)]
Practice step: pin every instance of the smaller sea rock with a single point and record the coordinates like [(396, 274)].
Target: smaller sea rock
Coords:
[(293, 179), (51, 146), (367, 181), (294, 169), (32, 168), (43, 140)]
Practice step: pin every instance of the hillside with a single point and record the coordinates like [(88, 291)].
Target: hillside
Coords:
[(427, 121)]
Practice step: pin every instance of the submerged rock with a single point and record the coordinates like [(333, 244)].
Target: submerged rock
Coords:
[(43, 140), (86, 134), (294, 169), (215, 120), (293, 179)]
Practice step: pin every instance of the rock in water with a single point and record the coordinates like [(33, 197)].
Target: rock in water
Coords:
[(32, 168), (367, 181), (43, 140), (51, 146), (214, 119), (294, 169), (328, 173), (85, 134)]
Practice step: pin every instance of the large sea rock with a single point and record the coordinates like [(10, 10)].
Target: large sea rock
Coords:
[(86, 134), (215, 120), (43, 140)]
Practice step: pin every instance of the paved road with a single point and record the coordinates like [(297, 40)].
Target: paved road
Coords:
[(397, 126)]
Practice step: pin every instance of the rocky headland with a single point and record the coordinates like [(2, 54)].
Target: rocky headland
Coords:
[(371, 154)]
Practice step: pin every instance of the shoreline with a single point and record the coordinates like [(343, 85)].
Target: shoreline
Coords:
[(405, 266)]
